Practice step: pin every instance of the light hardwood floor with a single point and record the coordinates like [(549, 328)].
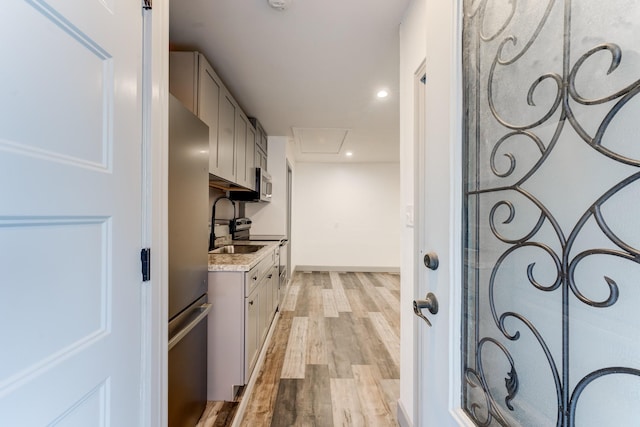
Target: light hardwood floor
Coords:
[(333, 359)]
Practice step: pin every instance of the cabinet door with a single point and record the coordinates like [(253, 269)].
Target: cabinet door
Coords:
[(226, 329), (262, 137), (251, 336), (265, 302), (183, 78), (260, 159), (240, 157), (251, 160), (261, 146), (257, 157), (226, 136), (208, 97), (275, 283)]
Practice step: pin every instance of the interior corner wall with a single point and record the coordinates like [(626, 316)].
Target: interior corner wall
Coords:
[(346, 216), (412, 54), (270, 218)]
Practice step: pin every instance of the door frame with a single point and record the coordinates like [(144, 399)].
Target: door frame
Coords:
[(419, 212), (289, 202), (155, 215), (443, 132)]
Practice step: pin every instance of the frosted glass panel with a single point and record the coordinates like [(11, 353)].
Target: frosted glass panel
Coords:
[(552, 201)]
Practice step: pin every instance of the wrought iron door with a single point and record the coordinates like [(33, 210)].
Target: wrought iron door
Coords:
[(552, 211)]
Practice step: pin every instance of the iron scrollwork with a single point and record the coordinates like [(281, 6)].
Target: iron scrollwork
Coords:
[(506, 184)]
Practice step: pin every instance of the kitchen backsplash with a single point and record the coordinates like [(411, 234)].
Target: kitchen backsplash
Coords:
[(224, 209)]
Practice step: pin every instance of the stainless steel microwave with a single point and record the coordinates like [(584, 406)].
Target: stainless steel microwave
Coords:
[(263, 184), (263, 189)]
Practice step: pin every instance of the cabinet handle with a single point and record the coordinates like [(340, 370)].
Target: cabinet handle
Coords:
[(270, 276), (250, 302), (255, 278), (204, 312)]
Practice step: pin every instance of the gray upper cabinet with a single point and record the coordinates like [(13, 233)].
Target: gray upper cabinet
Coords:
[(226, 138), (251, 149), (232, 137), (261, 145), (208, 108), (260, 159), (183, 78), (193, 81), (245, 148), (240, 156), (261, 140)]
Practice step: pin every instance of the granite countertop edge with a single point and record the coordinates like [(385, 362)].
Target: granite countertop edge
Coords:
[(240, 262)]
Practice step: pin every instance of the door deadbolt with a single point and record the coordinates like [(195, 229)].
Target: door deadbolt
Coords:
[(430, 302), (431, 260)]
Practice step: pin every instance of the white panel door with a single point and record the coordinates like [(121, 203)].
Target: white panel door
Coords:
[(70, 212), (538, 279)]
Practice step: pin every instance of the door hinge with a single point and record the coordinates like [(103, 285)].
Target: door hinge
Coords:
[(146, 4), (145, 257)]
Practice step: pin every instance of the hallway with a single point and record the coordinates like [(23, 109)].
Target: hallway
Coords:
[(333, 359)]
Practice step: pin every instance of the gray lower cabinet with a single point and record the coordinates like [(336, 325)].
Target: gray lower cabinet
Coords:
[(251, 339), (242, 312), (267, 303)]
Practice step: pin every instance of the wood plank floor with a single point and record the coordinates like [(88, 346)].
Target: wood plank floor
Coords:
[(333, 359)]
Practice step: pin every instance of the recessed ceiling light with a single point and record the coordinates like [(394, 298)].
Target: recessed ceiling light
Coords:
[(348, 154), (382, 94)]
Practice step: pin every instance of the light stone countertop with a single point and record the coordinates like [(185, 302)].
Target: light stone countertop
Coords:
[(240, 262)]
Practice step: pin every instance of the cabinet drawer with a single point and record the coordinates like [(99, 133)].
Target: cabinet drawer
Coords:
[(256, 274)]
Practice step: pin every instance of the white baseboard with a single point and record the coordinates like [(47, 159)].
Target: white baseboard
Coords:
[(403, 418), (348, 269)]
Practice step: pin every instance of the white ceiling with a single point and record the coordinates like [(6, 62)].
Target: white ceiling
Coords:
[(318, 64)]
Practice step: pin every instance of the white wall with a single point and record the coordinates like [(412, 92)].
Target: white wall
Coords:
[(270, 218), (412, 54), (346, 216)]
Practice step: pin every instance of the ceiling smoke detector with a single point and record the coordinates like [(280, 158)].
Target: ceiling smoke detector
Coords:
[(280, 4)]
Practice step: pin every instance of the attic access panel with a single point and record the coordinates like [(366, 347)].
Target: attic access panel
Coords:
[(320, 140)]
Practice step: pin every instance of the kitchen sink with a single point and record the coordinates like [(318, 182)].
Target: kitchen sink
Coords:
[(237, 249)]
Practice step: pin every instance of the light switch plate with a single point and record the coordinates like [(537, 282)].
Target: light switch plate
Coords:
[(408, 215)]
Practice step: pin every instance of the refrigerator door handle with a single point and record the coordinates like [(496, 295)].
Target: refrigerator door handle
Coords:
[(206, 308)]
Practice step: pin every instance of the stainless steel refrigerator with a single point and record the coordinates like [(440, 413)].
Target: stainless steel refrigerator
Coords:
[(188, 246)]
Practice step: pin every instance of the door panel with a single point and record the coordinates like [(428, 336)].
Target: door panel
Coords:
[(70, 217), (551, 256), (549, 171)]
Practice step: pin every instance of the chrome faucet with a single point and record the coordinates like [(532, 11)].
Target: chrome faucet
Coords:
[(212, 235)]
